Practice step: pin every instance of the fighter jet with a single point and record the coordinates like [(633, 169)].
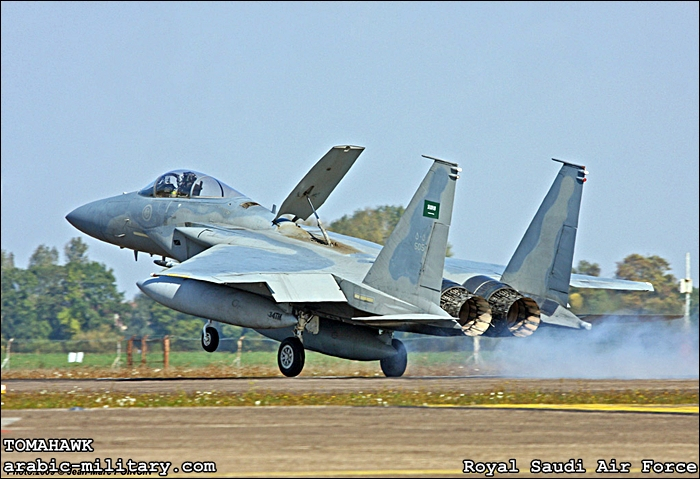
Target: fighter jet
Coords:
[(227, 258)]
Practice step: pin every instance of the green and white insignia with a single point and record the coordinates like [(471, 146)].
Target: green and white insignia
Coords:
[(431, 209)]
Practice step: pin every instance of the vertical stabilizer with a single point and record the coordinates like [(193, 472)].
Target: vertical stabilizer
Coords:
[(410, 266), (541, 265)]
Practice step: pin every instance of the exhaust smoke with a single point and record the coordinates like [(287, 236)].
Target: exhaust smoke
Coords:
[(614, 350)]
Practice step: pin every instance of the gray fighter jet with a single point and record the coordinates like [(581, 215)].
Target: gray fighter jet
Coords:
[(227, 258)]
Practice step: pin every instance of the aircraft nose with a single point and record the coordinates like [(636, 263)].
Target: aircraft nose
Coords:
[(83, 218)]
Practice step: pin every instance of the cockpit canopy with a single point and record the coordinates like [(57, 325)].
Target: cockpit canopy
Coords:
[(188, 184)]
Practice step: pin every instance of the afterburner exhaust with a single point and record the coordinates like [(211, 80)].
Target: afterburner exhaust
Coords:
[(473, 312), (513, 314)]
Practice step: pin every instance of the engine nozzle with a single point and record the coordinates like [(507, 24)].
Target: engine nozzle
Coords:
[(513, 313), (472, 312)]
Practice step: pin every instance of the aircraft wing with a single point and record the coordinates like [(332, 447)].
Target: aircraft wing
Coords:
[(286, 273), (289, 272), (459, 270)]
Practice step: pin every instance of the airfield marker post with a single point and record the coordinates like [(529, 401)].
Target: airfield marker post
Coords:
[(144, 349), (130, 352), (687, 289), (237, 361), (6, 361), (166, 351), (118, 359)]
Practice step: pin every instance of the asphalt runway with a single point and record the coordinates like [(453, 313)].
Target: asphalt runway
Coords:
[(354, 441), (315, 441)]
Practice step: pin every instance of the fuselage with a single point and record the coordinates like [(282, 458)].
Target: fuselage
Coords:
[(148, 224)]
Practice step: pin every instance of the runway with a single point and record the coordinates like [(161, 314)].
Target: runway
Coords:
[(311, 441), (356, 441)]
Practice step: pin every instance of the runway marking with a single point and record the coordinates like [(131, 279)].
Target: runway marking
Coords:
[(666, 409), (6, 421)]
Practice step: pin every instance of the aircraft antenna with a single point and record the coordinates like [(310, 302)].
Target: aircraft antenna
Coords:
[(318, 221)]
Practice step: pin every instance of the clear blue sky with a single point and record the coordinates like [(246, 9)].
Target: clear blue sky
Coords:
[(100, 98)]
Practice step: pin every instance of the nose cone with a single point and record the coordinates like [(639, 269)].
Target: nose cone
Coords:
[(86, 219)]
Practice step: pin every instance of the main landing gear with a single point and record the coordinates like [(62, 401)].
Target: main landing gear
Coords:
[(290, 357), (210, 338), (395, 366)]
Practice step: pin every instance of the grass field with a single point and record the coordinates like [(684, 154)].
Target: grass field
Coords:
[(107, 399), (223, 364), (264, 364)]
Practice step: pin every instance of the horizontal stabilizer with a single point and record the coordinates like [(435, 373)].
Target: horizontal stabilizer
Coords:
[(629, 318), (594, 282), (555, 314)]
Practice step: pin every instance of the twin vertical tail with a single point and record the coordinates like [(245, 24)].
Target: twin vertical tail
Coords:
[(541, 265), (410, 266)]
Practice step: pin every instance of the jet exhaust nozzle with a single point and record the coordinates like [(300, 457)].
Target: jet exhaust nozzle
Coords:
[(216, 302), (513, 313), (473, 312)]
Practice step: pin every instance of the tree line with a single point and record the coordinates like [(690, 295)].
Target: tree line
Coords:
[(78, 299)]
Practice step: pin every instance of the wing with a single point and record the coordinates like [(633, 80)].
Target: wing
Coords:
[(284, 270), (289, 271), (459, 270)]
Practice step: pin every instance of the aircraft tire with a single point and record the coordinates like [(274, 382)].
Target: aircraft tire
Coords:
[(210, 339), (395, 366), (290, 357)]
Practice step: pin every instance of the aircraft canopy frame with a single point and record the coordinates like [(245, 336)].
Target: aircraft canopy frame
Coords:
[(188, 184)]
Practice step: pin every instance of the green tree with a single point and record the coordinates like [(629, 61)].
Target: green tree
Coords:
[(665, 299), (372, 224), (19, 316), (584, 267), (43, 256), (52, 301), (590, 301), (92, 304), (76, 251), (154, 319), (694, 310), (44, 287)]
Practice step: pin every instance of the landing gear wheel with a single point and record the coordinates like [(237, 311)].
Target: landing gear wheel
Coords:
[(290, 357), (210, 339), (395, 366)]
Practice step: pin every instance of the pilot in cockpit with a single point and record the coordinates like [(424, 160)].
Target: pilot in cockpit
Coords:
[(197, 188), (186, 183), (164, 187)]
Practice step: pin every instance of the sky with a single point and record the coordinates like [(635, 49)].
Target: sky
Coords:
[(101, 98)]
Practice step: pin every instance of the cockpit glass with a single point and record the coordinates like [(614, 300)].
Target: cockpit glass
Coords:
[(188, 184)]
